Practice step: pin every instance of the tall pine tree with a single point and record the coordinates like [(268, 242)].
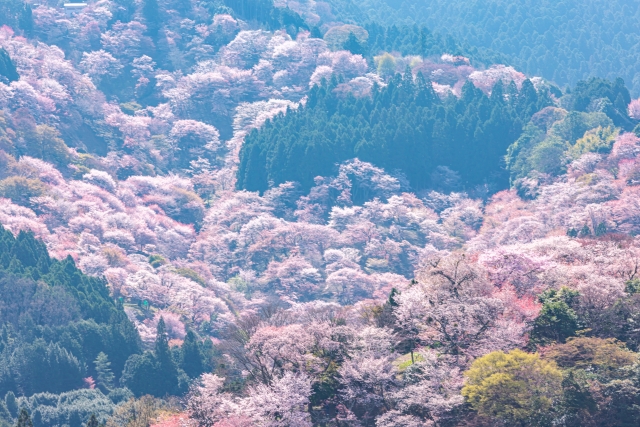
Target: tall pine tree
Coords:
[(151, 13), (24, 420), (167, 371), (191, 356), (103, 368), (93, 421)]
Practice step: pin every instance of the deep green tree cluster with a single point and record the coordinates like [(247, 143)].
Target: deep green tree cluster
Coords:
[(8, 70), (595, 348), (563, 41), (419, 40), (583, 382), (609, 97), (58, 327), (591, 118), (564, 316), (54, 321), (164, 371), (404, 126)]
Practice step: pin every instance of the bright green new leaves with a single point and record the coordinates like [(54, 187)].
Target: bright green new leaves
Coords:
[(517, 388), (598, 140)]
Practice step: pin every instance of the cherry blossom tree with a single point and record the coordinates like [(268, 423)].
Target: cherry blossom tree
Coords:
[(429, 393), (453, 304), (99, 64), (634, 109), (282, 404), (368, 375)]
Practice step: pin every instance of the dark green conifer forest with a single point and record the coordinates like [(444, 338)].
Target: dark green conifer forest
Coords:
[(55, 321), (405, 127)]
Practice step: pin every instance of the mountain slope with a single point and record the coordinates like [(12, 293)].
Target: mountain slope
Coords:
[(55, 320), (562, 41)]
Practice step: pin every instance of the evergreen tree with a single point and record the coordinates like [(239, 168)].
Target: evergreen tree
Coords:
[(93, 421), (103, 368), (25, 21), (167, 378), (50, 353), (315, 33), (125, 11), (139, 375), (557, 320), (151, 13), (37, 419), (74, 419), (12, 404), (191, 356), (404, 126), (24, 420), (353, 45)]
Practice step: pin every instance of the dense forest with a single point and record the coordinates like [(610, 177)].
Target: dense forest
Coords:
[(396, 126), (56, 322), (297, 213), (461, 142), (61, 331), (563, 41)]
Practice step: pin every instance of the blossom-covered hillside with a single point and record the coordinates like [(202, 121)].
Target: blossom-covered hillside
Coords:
[(307, 223)]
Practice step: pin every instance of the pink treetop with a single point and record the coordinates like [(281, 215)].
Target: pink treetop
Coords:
[(634, 109)]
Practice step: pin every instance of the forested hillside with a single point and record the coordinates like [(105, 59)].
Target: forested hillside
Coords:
[(396, 126), (319, 213), (461, 142), (562, 41), (55, 322)]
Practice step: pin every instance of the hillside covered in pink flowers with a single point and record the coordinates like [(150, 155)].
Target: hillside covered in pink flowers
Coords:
[(257, 213)]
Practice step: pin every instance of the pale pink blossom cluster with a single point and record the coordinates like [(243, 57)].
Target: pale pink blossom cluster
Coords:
[(577, 232), (486, 79), (453, 303), (634, 109)]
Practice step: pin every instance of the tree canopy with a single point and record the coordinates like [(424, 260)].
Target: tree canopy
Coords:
[(563, 41), (403, 126)]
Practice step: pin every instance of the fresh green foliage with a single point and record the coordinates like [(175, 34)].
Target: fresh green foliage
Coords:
[(549, 151), (103, 369), (589, 122), (517, 388), (20, 189), (191, 274), (157, 261), (595, 354), (598, 140)]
